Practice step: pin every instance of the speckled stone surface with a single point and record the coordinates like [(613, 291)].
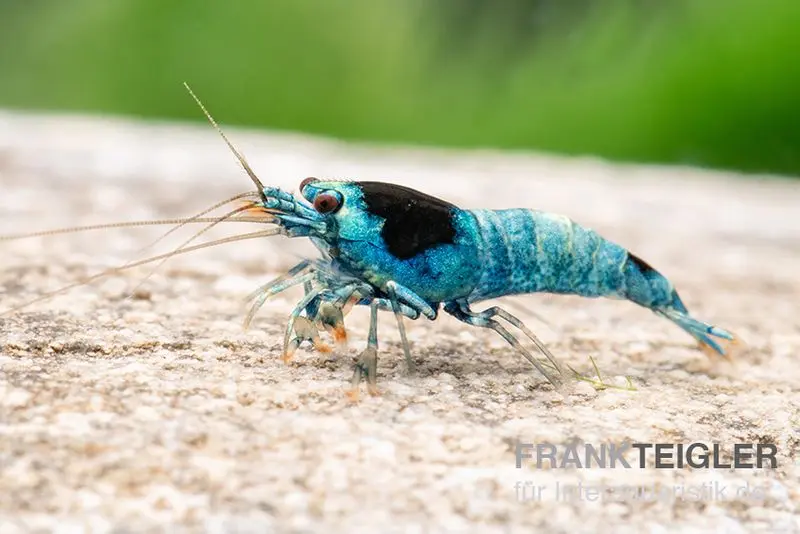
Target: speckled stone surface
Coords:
[(158, 412)]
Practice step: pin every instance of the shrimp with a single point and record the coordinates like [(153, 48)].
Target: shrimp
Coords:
[(416, 255), (396, 249)]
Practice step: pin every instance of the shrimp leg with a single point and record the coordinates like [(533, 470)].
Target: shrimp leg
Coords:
[(485, 319), (367, 364)]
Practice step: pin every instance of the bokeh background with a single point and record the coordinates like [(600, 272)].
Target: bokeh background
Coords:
[(714, 83)]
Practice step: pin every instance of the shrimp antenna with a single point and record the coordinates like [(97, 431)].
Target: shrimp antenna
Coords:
[(152, 259), (180, 222), (236, 153)]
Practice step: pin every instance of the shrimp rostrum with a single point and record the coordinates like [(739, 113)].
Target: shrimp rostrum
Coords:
[(391, 247)]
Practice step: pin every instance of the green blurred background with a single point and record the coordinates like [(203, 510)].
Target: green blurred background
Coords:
[(705, 82)]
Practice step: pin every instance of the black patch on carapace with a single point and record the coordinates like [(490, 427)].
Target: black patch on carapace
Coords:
[(415, 221), (643, 266)]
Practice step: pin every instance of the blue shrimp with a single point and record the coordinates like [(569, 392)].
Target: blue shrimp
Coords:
[(394, 248), (403, 248)]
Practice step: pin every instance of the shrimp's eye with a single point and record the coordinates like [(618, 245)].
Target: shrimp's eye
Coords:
[(307, 181), (326, 203)]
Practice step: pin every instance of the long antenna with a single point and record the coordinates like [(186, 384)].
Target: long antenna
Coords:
[(180, 222), (239, 237), (236, 153)]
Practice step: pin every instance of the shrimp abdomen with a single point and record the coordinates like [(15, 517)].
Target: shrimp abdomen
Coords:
[(528, 251)]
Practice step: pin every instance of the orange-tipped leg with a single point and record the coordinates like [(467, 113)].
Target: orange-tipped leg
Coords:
[(290, 350), (367, 364), (305, 330), (331, 319), (339, 335)]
